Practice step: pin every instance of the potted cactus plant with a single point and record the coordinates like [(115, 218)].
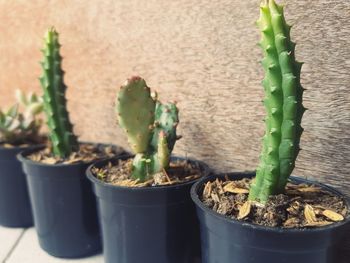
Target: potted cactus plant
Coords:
[(18, 131), (64, 206), (274, 217), (145, 207)]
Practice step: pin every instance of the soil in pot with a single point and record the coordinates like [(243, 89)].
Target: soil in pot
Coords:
[(87, 153), (301, 206), (179, 171), (152, 221), (64, 206)]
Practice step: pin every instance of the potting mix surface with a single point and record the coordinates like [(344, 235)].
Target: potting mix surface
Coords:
[(24, 143), (301, 206), (180, 171), (87, 153)]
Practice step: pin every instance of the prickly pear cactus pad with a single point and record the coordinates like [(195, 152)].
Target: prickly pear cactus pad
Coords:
[(136, 113), (283, 104), (150, 127), (63, 141)]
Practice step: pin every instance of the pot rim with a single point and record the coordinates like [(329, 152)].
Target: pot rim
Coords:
[(204, 167), (205, 209), (22, 156), (22, 148)]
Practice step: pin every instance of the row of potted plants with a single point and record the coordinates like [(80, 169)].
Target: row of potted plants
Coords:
[(149, 202)]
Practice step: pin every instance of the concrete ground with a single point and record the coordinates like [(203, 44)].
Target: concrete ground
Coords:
[(21, 246)]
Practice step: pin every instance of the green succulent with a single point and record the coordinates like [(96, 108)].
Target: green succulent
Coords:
[(21, 127), (283, 104), (63, 140), (150, 127)]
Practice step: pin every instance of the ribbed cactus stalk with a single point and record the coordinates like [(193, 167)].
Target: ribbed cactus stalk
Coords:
[(61, 135), (150, 127), (283, 104)]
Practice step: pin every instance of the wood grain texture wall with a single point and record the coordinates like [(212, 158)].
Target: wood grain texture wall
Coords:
[(202, 54)]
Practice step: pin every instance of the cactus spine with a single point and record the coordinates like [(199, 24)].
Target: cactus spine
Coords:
[(62, 139), (283, 104), (150, 127)]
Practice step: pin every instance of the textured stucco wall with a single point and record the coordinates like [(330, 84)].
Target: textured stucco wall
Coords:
[(202, 54)]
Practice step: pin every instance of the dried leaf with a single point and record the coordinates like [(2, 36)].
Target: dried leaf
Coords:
[(220, 189), (310, 189), (207, 190), (191, 177), (49, 161), (215, 197), (309, 214), (240, 191), (133, 183), (148, 182), (73, 160), (334, 216), (231, 188), (320, 207), (36, 157), (244, 210), (344, 211), (127, 182), (291, 222), (229, 184), (294, 208)]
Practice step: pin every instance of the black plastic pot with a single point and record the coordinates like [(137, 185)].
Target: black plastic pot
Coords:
[(64, 208), (15, 208), (148, 224), (225, 240)]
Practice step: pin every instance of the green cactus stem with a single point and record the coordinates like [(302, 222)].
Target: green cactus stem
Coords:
[(150, 127), (283, 104), (62, 139)]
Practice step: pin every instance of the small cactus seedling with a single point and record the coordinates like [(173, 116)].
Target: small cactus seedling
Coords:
[(21, 127), (283, 104), (150, 126), (63, 141)]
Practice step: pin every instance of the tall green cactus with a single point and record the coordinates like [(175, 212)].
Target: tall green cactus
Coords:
[(62, 139), (150, 127), (283, 104)]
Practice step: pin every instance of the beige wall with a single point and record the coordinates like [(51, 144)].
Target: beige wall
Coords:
[(202, 54)]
